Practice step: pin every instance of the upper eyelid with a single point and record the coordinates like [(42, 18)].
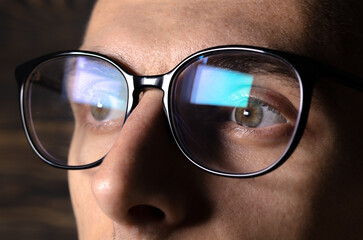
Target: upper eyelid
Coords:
[(275, 100)]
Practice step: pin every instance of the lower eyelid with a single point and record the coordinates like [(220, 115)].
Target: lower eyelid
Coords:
[(265, 134), (102, 126)]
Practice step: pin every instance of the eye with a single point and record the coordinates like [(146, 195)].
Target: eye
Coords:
[(257, 114), (106, 107), (99, 112)]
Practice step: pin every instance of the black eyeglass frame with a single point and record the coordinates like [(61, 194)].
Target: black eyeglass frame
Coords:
[(305, 68)]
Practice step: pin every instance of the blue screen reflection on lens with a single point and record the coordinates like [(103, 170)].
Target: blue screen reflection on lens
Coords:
[(94, 83), (220, 87)]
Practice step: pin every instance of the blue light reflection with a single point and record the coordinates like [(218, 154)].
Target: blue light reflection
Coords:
[(220, 87), (95, 83)]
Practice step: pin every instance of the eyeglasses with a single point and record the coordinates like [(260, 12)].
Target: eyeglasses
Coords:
[(234, 111)]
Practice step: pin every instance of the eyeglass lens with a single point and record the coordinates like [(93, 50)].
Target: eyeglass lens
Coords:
[(232, 111), (236, 112), (76, 106)]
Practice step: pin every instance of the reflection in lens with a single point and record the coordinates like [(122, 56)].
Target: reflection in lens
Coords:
[(76, 108), (220, 87), (235, 111)]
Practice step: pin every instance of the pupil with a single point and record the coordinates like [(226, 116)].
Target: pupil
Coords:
[(246, 113)]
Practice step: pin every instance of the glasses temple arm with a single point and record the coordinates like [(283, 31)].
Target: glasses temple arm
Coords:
[(343, 77)]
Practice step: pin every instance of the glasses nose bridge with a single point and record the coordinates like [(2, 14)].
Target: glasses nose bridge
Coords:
[(140, 83)]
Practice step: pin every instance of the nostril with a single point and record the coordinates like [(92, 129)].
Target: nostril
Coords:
[(145, 214)]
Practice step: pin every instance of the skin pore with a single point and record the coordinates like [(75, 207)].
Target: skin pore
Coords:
[(146, 189)]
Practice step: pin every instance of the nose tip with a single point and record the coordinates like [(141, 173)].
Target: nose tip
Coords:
[(127, 200)]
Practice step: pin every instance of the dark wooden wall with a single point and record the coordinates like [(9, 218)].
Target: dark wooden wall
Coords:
[(34, 198)]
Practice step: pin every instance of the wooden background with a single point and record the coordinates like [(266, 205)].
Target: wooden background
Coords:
[(34, 197)]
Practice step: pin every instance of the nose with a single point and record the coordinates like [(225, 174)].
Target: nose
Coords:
[(144, 179)]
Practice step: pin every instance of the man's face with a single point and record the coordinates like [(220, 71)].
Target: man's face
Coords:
[(145, 188)]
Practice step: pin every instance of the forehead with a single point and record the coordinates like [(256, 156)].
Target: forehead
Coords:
[(153, 36)]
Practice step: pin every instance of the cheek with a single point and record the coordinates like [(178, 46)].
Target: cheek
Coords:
[(268, 207), (281, 203), (91, 222)]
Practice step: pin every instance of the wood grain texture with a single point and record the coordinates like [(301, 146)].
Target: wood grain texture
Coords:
[(34, 197)]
